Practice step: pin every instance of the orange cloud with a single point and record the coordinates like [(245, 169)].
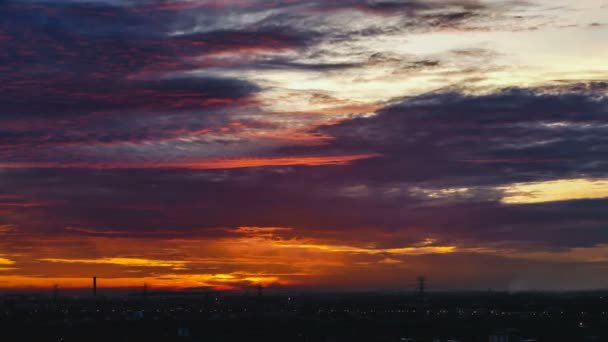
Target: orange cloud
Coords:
[(5, 228), (207, 164), (351, 249), (5, 261), (135, 262), (249, 230)]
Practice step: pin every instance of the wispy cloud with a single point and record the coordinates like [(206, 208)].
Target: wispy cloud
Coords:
[(5, 261), (134, 262)]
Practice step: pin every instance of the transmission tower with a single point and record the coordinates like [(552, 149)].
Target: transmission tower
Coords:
[(55, 292), (421, 288)]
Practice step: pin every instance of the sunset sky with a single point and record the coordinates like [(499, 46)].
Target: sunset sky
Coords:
[(306, 144)]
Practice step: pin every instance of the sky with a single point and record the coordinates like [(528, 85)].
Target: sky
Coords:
[(305, 144)]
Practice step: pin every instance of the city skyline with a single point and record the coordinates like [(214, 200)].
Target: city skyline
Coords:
[(338, 144)]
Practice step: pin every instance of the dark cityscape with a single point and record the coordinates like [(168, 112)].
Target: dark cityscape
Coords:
[(279, 315)]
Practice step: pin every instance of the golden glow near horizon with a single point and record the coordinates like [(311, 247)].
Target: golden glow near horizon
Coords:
[(256, 255), (556, 190), (169, 280)]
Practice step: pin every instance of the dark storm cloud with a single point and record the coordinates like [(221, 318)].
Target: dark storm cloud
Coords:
[(159, 203), (64, 40), (65, 57), (512, 135), (65, 63), (100, 129), (428, 15), (410, 7), (82, 96), (71, 47), (434, 141), (391, 7)]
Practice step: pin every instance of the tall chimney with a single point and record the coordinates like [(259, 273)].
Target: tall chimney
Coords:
[(94, 286)]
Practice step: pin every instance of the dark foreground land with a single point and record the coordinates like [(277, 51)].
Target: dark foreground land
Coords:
[(210, 316)]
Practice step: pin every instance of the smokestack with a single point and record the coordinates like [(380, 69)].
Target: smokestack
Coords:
[(94, 286)]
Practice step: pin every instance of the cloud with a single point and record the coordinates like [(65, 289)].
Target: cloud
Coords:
[(507, 136), (131, 262), (126, 78), (6, 228), (292, 142), (557, 190), (83, 98), (357, 250), (5, 261), (210, 164)]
